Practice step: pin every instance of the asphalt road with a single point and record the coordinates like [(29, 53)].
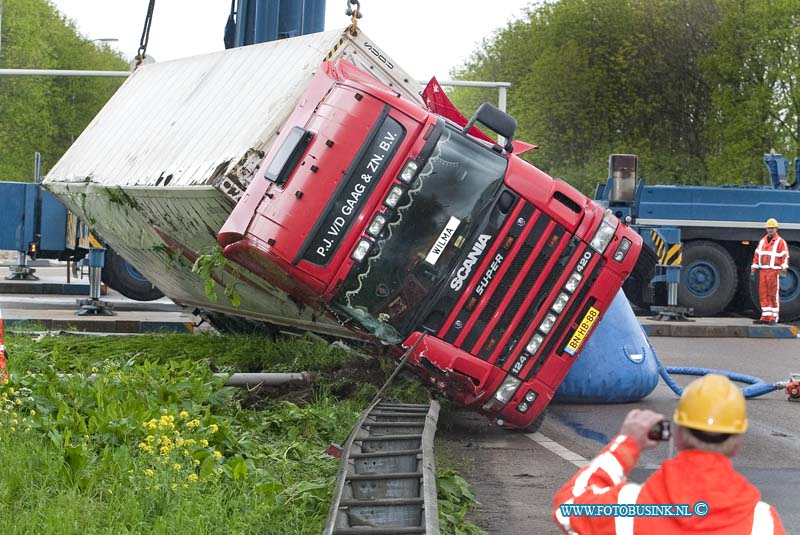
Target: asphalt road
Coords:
[(515, 476)]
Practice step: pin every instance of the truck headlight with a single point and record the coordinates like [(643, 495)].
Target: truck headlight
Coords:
[(362, 250), (533, 345), (376, 226), (507, 389), (560, 302), (622, 250), (604, 234), (573, 282), (393, 197), (409, 172), (547, 323)]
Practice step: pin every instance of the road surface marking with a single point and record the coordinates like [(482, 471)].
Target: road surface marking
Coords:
[(558, 449)]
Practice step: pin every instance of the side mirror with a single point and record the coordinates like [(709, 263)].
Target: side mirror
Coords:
[(498, 121)]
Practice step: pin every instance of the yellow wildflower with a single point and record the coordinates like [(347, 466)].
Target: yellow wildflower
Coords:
[(214, 428), (193, 423), (184, 414), (192, 477), (176, 467), (18, 401), (33, 412), (149, 472), (217, 455), (174, 486), (204, 442), (197, 462)]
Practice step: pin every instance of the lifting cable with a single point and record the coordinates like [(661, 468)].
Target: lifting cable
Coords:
[(148, 21), (354, 15)]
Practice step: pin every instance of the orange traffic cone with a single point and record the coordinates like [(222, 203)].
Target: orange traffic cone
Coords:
[(3, 351)]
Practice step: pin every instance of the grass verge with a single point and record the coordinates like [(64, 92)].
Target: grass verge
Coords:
[(136, 435)]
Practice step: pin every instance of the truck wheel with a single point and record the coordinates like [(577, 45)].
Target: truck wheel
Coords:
[(126, 279), (536, 423), (708, 278), (637, 287), (790, 289)]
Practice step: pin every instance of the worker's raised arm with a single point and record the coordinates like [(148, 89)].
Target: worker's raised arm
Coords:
[(603, 481)]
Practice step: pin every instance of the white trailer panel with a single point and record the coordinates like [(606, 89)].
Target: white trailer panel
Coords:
[(160, 167)]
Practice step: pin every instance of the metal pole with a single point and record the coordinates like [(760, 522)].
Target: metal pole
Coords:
[(253, 380), (672, 294), (94, 283), (502, 97), (502, 88), (37, 167)]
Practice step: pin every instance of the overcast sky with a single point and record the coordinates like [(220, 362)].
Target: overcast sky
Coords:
[(425, 37)]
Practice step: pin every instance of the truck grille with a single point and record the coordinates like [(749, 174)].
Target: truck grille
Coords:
[(497, 310)]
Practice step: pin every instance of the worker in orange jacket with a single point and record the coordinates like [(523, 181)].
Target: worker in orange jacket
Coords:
[(710, 420), (771, 259)]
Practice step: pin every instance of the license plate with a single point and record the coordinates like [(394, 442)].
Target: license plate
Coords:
[(583, 329)]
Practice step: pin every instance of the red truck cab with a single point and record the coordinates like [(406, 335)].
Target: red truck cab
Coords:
[(400, 225)]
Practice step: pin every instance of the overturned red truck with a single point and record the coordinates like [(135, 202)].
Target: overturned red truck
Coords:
[(399, 223)]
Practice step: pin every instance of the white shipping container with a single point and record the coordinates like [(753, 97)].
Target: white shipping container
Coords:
[(161, 166)]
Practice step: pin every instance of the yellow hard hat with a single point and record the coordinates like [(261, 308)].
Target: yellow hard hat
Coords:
[(772, 223), (714, 404)]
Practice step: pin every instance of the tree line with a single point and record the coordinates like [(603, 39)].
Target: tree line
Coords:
[(699, 89), (46, 114)]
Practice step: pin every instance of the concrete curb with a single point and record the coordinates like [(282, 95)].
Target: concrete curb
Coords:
[(103, 325), (42, 288), (698, 329)]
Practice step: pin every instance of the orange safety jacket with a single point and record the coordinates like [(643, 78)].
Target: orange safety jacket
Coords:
[(771, 254), (734, 506)]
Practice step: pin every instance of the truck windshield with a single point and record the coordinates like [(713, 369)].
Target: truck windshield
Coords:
[(424, 238)]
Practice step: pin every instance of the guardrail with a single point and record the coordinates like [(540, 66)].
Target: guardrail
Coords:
[(386, 484)]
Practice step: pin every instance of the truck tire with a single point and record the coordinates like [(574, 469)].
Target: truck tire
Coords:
[(708, 278), (537, 423), (637, 287), (790, 289), (126, 279)]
